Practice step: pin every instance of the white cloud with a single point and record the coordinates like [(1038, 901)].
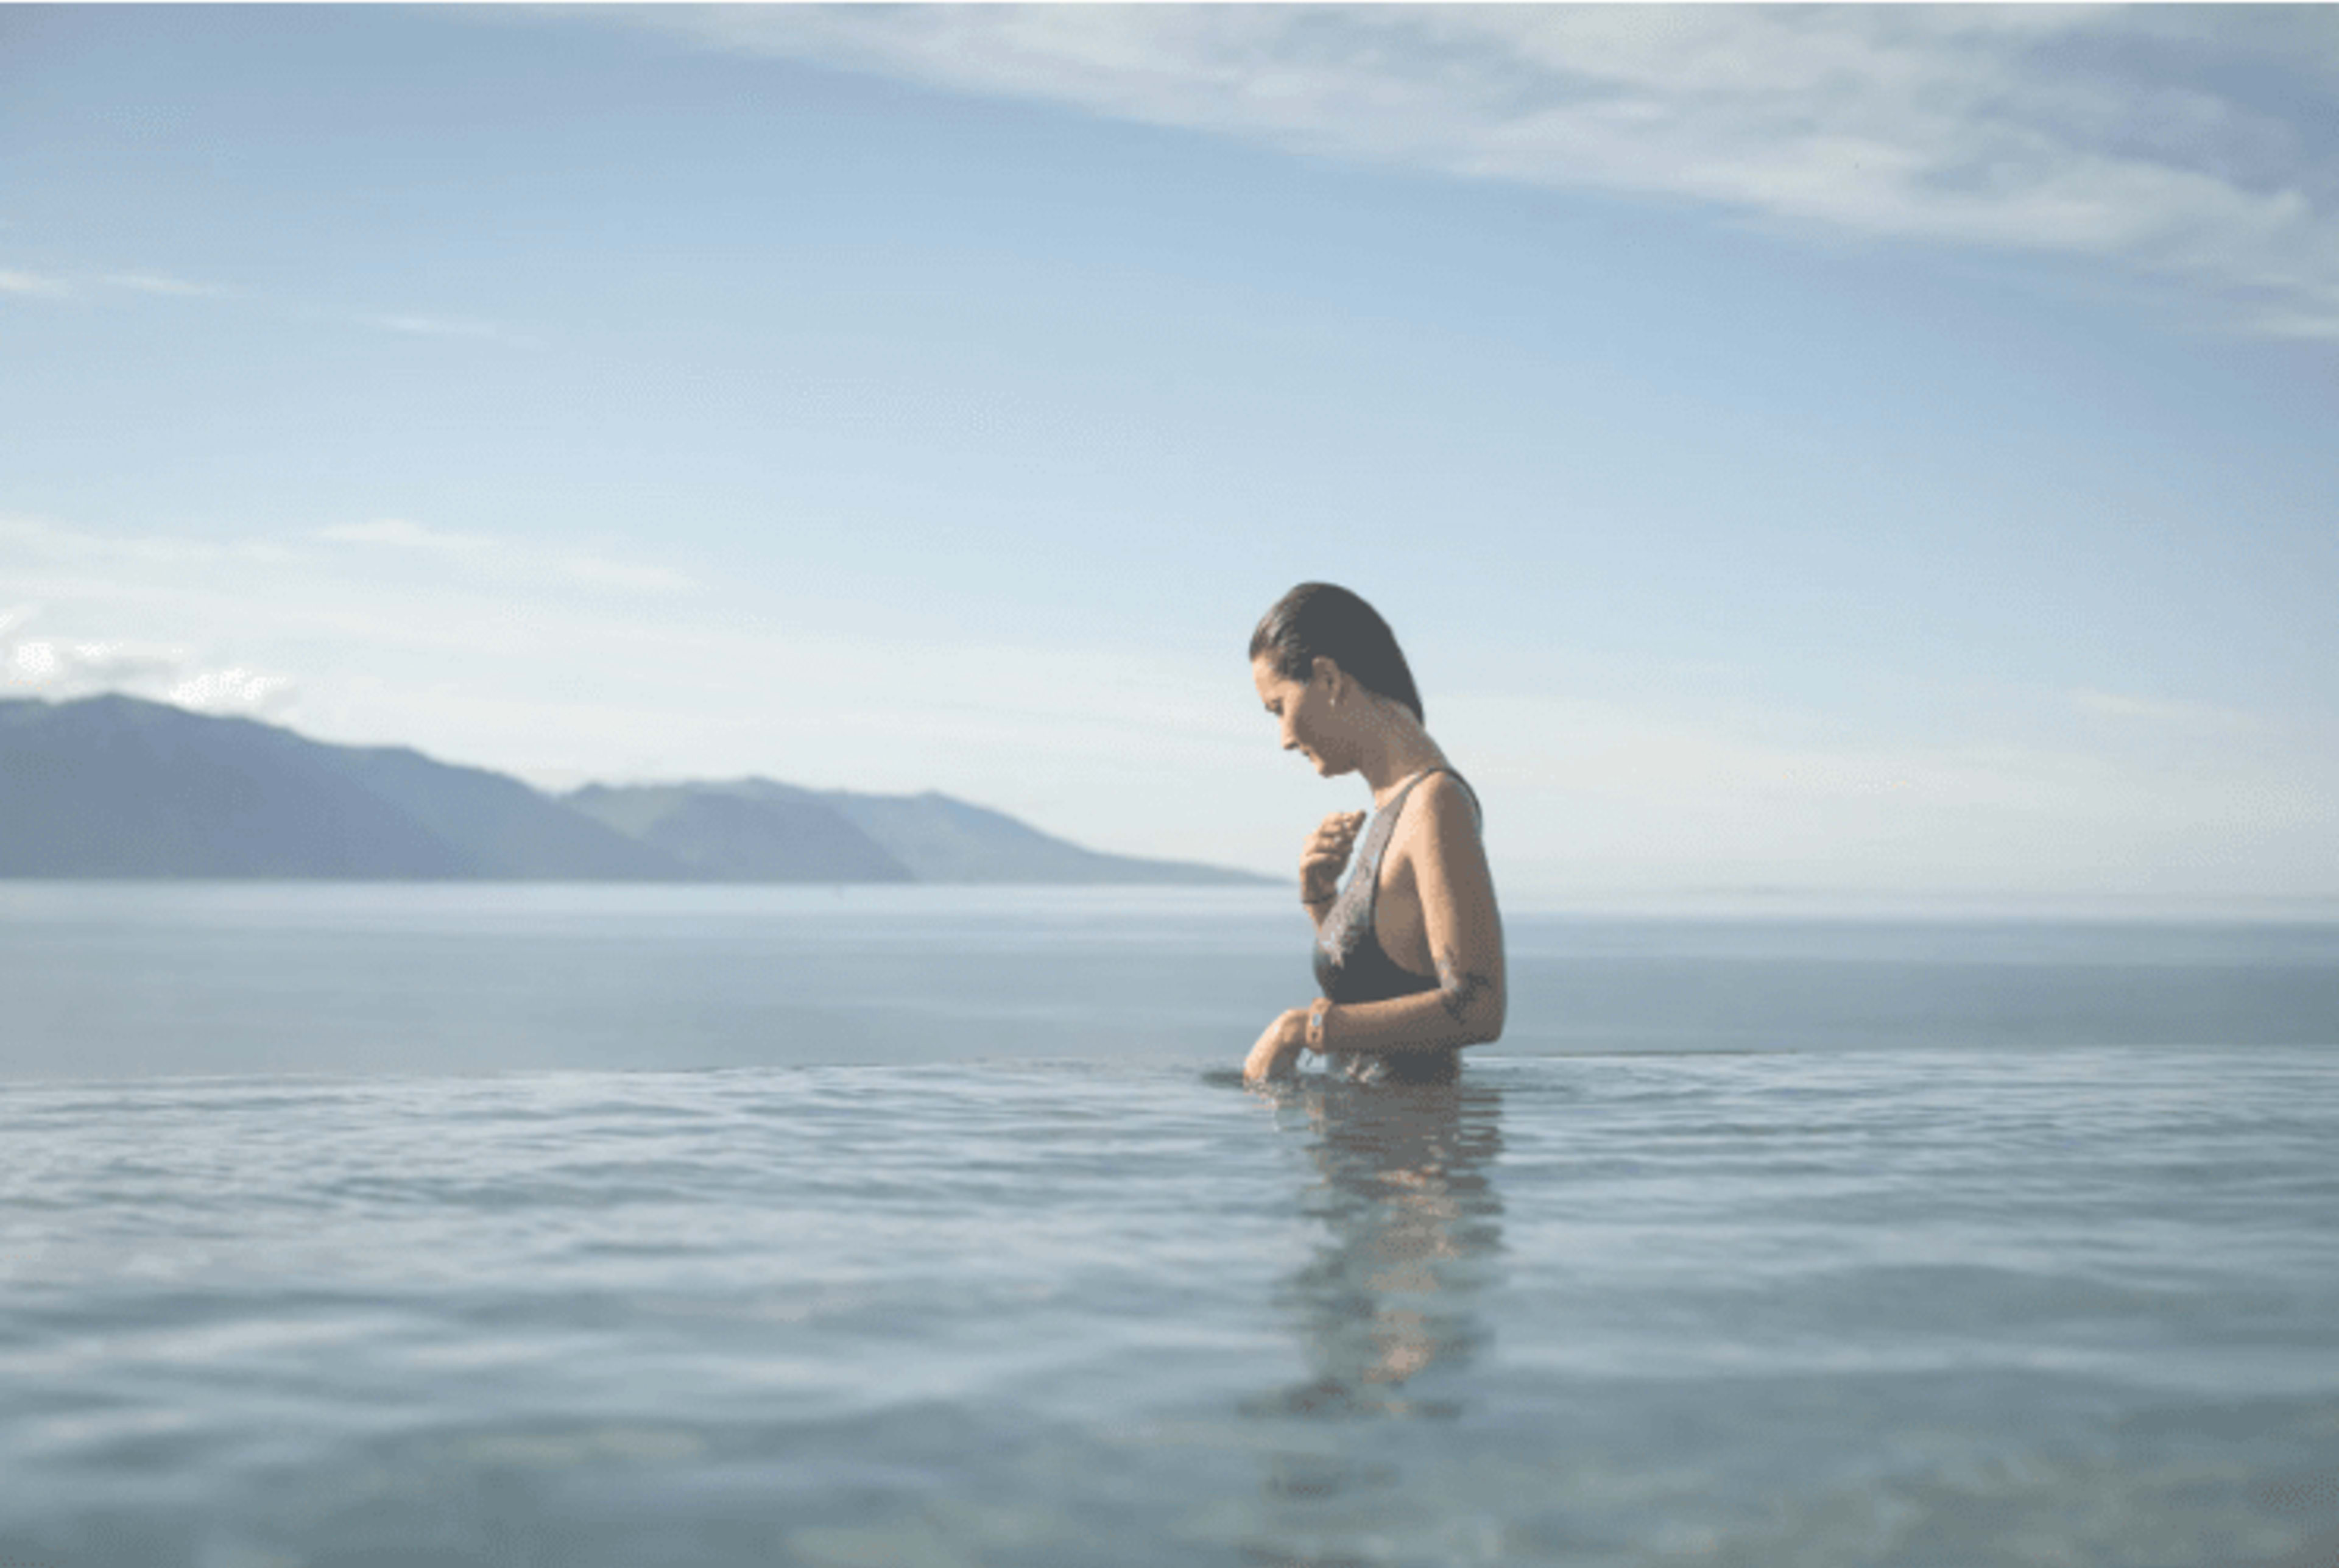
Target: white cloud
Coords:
[(34, 283), (440, 326), (2083, 131), (404, 633), (509, 559), (236, 690), (61, 669), (32, 540), (397, 533), (2313, 326), (163, 285), (2187, 716), (1600, 798), (160, 283), (21, 282), (606, 573)]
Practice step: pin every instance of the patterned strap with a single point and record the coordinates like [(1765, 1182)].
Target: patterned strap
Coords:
[(1384, 830)]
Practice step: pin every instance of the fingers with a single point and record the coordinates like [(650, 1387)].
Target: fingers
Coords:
[(1336, 832), (1266, 1064), (1334, 838), (1332, 854), (1328, 851)]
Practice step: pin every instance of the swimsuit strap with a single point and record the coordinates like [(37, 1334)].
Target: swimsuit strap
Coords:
[(1384, 828), (1377, 842)]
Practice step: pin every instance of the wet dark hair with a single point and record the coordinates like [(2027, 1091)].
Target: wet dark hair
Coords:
[(1323, 620)]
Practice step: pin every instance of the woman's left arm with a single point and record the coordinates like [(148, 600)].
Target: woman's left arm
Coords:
[(1466, 945)]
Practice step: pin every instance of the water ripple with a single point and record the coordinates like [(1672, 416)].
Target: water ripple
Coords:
[(1754, 1308)]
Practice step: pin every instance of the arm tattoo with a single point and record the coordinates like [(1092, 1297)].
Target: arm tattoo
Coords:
[(1460, 990)]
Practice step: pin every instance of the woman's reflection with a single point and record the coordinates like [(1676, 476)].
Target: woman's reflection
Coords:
[(1414, 1226)]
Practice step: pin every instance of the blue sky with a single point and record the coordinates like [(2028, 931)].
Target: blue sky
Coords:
[(1860, 451)]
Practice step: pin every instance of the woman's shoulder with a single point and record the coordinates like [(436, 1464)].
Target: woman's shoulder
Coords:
[(1443, 801), (1444, 790), (1441, 827)]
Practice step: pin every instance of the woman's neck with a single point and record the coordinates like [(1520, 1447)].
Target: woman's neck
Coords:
[(1395, 748)]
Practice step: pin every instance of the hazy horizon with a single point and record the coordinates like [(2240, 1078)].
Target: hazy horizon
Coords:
[(1876, 455)]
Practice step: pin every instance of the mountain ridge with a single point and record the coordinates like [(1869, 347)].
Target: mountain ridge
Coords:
[(116, 786)]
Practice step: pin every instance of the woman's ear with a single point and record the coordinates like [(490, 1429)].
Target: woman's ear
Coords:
[(1330, 674)]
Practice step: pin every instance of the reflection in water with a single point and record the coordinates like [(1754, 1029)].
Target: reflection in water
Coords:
[(1415, 1227)]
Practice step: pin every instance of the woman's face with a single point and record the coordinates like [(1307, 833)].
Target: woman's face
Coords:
[(1302, 713)]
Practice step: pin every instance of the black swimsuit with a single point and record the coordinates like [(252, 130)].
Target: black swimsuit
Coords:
[(1352, 966)]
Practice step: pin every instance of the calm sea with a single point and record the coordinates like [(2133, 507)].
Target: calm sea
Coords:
[(557, 1226)]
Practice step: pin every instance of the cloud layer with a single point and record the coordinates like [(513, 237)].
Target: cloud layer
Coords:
[(371, 585), (521, 655), (60, 670), (508, 560), (2121, 136), (24, 286)]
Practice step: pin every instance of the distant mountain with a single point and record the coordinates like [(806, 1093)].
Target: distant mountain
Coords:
[(945, 840), (503, 829), (725, 835), (928, 837), (114, 786)]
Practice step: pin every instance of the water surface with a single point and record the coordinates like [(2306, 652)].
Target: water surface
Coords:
[(1907, 1258)]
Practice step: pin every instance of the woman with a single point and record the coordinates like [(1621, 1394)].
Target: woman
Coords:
[(1409, 954)]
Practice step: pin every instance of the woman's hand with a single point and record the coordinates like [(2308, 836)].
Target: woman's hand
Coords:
[(1277, 1054), (1326, 856)]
